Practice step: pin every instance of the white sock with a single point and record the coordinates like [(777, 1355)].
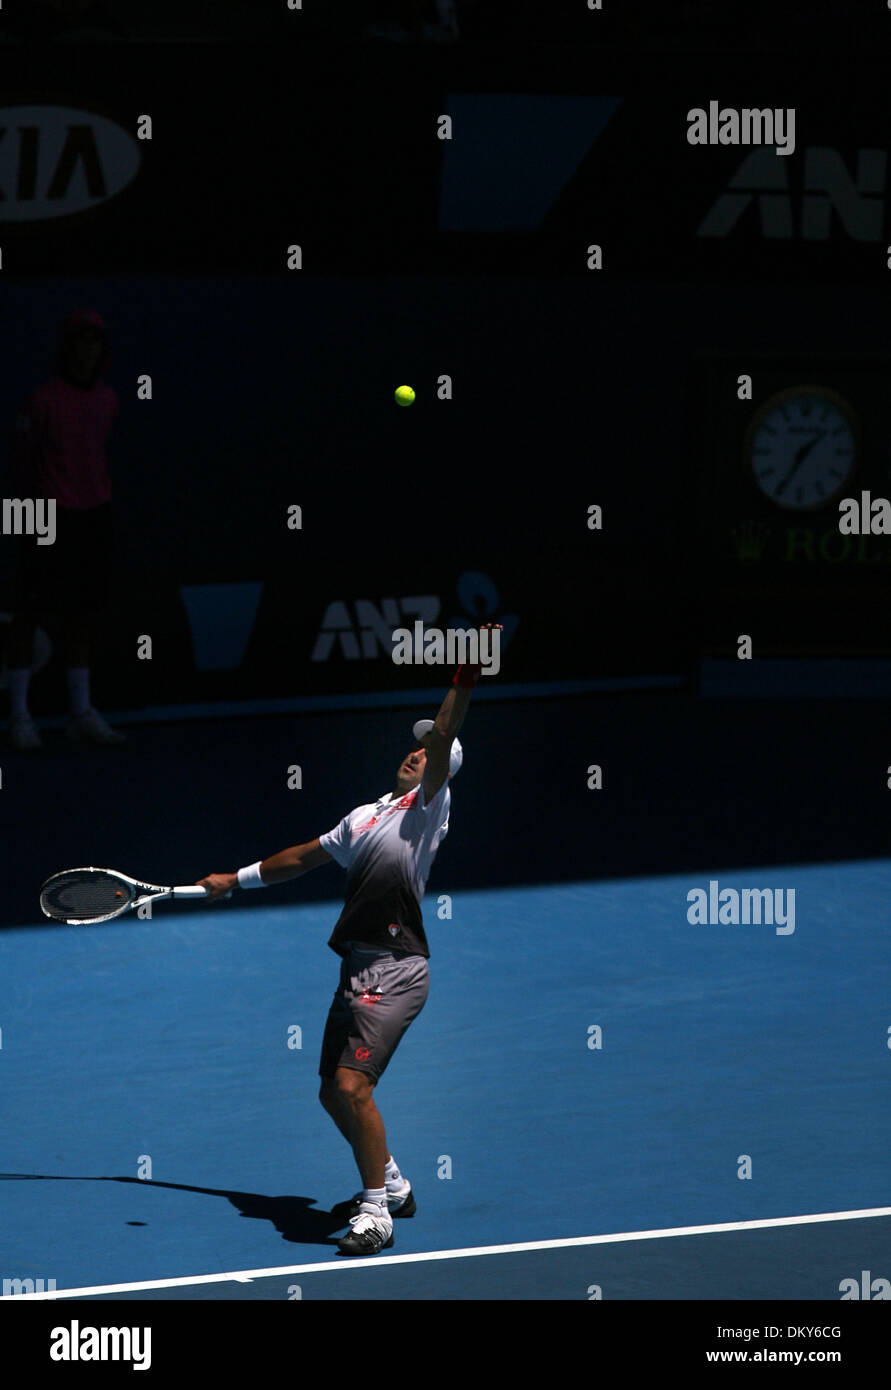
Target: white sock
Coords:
[(377, 1195), (19, 677), (79, 689), (394, 1178)]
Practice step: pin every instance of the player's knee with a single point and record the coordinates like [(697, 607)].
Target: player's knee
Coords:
[(354, 1087)]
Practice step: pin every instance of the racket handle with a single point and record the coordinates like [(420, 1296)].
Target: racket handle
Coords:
[(190, 890)]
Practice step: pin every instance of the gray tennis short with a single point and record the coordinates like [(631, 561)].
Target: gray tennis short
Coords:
[(379, 994)]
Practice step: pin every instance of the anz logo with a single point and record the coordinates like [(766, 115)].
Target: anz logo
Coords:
[(364, 630), (57, 160), (371, 635), (804, 212)]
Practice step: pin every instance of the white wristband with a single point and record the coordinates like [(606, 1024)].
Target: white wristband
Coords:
[(249, 877)]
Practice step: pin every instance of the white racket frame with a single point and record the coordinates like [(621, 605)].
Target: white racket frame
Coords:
[(150, 893)]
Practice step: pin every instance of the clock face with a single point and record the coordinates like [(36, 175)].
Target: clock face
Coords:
[(801, 447)]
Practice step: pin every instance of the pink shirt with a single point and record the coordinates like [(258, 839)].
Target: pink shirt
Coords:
[(60, 443)]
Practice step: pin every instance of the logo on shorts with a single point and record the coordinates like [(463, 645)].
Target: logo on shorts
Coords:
[(362, 1054), (394, 931), (370, 998)]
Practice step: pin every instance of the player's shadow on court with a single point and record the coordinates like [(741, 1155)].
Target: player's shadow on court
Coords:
[(297, 1220)]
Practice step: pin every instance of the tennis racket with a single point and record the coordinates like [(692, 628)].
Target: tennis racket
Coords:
[(83, 896)]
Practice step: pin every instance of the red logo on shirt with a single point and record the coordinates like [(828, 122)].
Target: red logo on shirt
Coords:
[(402, 805), (362, 1054), (370, 998)]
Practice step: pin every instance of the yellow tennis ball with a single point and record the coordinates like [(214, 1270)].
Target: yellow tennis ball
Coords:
[(404, 395)]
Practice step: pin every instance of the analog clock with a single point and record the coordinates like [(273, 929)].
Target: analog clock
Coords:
[(802, 447)]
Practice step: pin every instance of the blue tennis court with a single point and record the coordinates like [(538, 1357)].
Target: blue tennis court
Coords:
[(592, 1076)]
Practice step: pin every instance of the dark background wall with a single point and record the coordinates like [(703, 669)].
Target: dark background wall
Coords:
[(269, 394), (571, 387), (690, 786)]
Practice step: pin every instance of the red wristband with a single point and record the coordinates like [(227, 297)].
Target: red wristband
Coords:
[(466, 676)]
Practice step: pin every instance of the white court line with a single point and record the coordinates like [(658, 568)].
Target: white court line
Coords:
[(245, 1276)]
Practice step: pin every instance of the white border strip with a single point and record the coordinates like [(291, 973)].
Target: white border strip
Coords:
[(246, 1276)]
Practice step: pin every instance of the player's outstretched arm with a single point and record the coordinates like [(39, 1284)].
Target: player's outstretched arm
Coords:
[(438, 742), (278, 868)]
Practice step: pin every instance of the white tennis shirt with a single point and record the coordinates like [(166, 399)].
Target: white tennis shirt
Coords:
[(387, 848)]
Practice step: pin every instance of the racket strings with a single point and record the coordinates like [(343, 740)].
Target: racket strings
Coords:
[(84, 894)]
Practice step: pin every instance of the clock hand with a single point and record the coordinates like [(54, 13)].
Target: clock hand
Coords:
[(797, 462)]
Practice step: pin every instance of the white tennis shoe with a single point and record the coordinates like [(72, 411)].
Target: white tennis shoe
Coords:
[(401, 1203), (370, 1232)]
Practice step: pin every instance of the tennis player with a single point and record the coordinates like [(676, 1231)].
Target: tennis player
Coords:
[(387, 847)]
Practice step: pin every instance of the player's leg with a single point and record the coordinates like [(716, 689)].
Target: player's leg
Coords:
[(368, 1136), (371, 1225), (346, 1098), (330, 1098), (384, 994), (400, 1197), (334, 1040)]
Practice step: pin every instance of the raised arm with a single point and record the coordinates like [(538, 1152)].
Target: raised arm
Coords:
[(438, 742), (278, 868)]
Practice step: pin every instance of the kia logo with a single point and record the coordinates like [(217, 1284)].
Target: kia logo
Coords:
[(57, 160)]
